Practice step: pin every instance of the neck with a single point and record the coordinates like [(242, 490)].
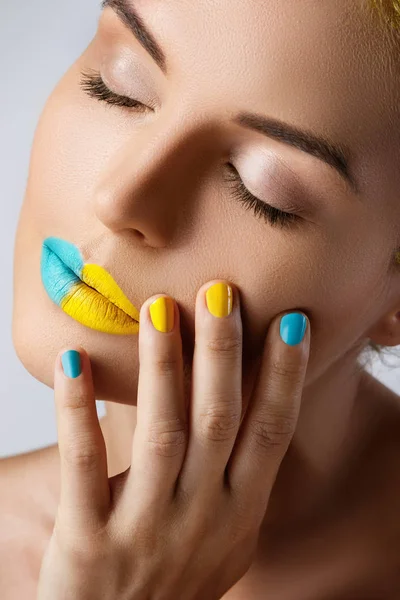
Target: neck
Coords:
[(327, 432)]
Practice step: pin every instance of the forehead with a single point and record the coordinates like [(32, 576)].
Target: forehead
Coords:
[(291, 58)]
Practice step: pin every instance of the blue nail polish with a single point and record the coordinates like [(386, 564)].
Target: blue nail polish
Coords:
[(71, 362), (292, 329)]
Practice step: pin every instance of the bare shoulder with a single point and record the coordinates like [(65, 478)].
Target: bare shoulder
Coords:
[(28, 504)]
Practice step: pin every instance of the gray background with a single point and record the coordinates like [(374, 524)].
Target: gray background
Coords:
[(38, 41)]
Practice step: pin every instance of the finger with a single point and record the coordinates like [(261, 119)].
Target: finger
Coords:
[(84, 497), (160, 437), (272, 414), (216, 404)]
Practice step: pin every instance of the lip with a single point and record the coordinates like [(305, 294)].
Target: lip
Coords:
[(86, 292)]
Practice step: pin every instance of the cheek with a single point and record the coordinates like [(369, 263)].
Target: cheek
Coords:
[(331, 292), (73, 142)]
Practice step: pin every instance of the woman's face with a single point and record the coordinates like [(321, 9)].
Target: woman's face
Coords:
[(147, 191)]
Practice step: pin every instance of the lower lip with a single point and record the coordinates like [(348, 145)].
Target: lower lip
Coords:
[(82, 302)]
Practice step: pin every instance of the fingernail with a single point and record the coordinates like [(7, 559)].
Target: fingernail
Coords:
[(71, 362), (219, 299), (292, 329), (162, 314)]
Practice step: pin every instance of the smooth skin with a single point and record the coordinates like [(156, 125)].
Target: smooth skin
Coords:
[(142, 193), (183, 520)]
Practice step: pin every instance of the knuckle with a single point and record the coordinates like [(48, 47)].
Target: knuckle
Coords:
[(87, 547), (228, 346), (165, 363), (275, 430), (75, 401), (81, 456), (248, 510), (168, 437), (219, 424), (243, 515), (86, 552), (287, 370)]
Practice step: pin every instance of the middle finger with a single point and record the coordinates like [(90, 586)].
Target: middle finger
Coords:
[(216, 404)]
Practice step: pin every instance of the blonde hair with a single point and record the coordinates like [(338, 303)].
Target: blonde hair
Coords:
[(386, 14), (389, 10)]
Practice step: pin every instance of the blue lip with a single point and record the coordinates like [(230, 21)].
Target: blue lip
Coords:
[(86, 292), (61, 267)]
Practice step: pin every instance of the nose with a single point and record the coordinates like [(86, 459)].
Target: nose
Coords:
[(148, 185)]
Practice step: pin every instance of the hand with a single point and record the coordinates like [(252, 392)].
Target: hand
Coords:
[(182, 522)]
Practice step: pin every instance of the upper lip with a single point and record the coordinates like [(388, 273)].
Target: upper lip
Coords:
[(105, 285)]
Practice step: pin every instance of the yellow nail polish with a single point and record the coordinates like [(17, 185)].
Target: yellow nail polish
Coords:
[(219, 299), (162, 314)]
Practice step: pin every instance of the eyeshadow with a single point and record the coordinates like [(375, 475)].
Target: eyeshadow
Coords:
[(125, 75)]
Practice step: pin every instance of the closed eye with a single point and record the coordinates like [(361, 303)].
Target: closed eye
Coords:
[(273, 216), (92, 84)]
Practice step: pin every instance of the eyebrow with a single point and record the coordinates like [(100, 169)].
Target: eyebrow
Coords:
[(332, 154), (335, 155), (133, 21)]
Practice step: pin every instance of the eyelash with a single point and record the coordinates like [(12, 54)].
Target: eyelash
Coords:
[(92, 84), (273, 216)]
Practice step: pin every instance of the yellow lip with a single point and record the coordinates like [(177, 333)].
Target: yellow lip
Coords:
[(99, 303)]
